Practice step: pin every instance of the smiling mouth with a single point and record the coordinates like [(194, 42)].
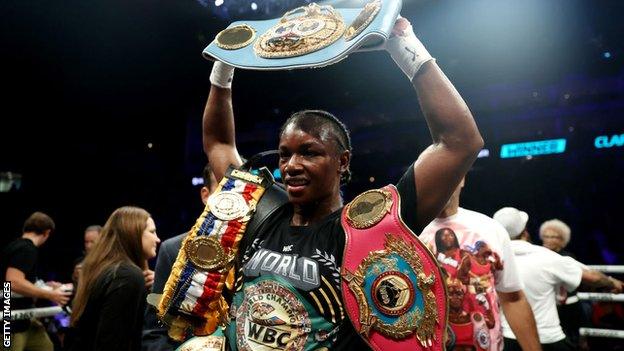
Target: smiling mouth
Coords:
[(296, 184)]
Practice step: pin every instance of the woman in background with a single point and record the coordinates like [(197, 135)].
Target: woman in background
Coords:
[(108, 308)]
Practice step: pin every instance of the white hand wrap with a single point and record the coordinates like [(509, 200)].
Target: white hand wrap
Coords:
[(222, 75), (406, 50)]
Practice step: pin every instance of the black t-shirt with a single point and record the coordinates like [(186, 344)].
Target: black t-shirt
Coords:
[(113, 317), (20, 254), (290, 289)]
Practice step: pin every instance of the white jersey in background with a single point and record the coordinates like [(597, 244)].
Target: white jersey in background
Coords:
[(542, 272), (480, 263)]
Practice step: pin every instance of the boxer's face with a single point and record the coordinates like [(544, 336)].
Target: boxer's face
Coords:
[(310, 167)]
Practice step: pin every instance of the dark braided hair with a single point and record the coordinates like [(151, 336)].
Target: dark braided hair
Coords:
[(319, 123)]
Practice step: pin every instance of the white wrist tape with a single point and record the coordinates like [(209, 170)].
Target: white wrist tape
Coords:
[(408, 52), (222, 75)]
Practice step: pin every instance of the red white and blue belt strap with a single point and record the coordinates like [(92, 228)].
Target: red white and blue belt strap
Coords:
[(192, 297)]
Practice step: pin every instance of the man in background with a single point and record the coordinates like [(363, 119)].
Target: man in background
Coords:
[(19, 266), (91, 236), (487, 270), (543, 271)]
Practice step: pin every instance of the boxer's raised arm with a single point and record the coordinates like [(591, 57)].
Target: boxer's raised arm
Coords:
[(218, 121)]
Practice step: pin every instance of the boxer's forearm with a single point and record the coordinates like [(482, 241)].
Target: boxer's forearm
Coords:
[(448, 117), (218, 129)]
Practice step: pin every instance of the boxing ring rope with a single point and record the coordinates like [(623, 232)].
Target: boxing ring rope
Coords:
[(600, 296), (603, 333), (39, 312), (596, 332), (608, 268)]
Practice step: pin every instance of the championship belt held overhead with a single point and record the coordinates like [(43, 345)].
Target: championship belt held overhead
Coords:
[(305, 37)]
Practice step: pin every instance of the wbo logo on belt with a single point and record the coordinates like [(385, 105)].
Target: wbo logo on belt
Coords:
[(392, 287)]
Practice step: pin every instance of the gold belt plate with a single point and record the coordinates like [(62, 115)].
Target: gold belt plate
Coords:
[(369, 208), (206, 252), (236, 37), (315, 28), (228, 205)]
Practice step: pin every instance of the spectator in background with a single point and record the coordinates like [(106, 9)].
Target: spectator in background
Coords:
[(574, 314), (91, 236), (555, 236), (155, 333), (489, 274), (108, 308), (543, 272), (19, 266)]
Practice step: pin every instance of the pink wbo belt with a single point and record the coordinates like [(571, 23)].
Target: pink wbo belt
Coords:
[(392, 286)]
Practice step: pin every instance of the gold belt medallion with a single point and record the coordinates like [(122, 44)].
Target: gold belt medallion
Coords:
[(228, 205), (301, 31), (207, 253), (235, 37), (369, 208)]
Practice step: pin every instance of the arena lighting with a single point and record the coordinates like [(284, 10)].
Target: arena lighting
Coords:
[(237, 9), (606, 141), (277, 174), (532, 148), (10, 181), (197, 181)]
